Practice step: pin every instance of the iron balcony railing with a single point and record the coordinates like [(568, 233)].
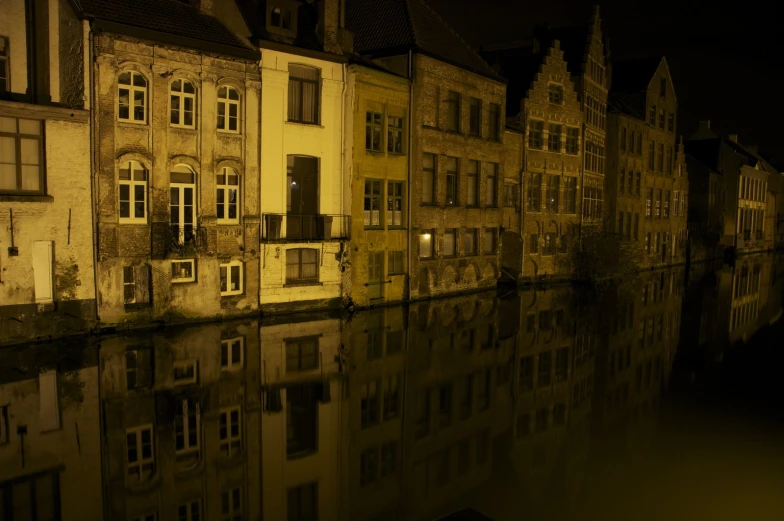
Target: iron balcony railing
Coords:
[(168, 239), (305, 227)]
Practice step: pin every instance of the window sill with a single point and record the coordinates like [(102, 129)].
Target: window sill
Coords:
[(190, 130), (374, 152), (20, 198), (376, 228), (227, 223), (396, 227), (131, 124), (304, 124), (137, 305), (476, 136), (396, 154), (136, 223), (224, 132), (294, 284), (232, 294)]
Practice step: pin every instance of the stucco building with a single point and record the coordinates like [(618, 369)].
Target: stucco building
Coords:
[(456, 143), (47, 271)]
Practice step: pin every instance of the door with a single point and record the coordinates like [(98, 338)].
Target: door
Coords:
[(182, 200), (42, 271), (302, 197), (375, 274)]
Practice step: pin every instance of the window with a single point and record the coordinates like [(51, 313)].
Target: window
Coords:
[(594, 157), (426, 244), (660, 157), (554, 137), (549, 243), (639, 143), (648, 242), (228, 109), (652, 115), (136, 284), (453, 111), (534, 243), (302, 503), (140, 456), (561, 364), (620, 223), (231, 505), (133, 192), (450, 240), (631, 142), (186, 429), (651, 156), (138, 368), (639, 182), (491, 195), (183, 270), (190, 511), (493, 122), (388, 458), (231, 279), (451, 181), (662, 115), (630, 185), (671, 122), (570, 194), (229, 433), (511, 192), (369, 403), (394, 134), (623, 139), (636, 226), (372, 203), (132, 99), (669, 160), (553, 186), (555, 94), (182, 97), (394, 204), (302, 354), (545, 368), (304, 94), (483, 383), (469, 241), (475, 117), (489, 241), (677, 203), (373, 131), (657, 203), (663, 87), (572, 139), (395, 263), (227, 196), (391, 397), (428, 178), (302, 265), (280, 17), (622, 177), (185, 372), (232, 353), (472, 180), (527, 373), (445, 405), (535, 132), (21, 156), (5, 80), (182, 204), (592, 203), (666, 208)]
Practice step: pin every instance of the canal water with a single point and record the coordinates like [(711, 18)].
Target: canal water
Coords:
[(658, 397)]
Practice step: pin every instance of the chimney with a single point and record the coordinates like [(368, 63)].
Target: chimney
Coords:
[(733, 138), (328, 18)]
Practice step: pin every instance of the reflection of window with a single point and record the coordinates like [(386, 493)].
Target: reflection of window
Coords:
[(232, 354), (140, 457), (182, 94), (136, 284), (183, 270), (445, 405), (228, 109), (186, 372), (394, 134), (301, 420), (545, 368), (227, 190), (422, 414), (561, 364), (301, 354), (147, 517), (302, 503), (3, 424), (186, 429), (132, 97), (229, 432), (369, 404), (391, 396), (138, 368), (304, 94), (21, 155), (190, 511), (372, 203), (302, 265), (231, 505), (231, 278), (368, 461), (388, 458), (527, 373), (373, 131), (133, 192), (428, 178)]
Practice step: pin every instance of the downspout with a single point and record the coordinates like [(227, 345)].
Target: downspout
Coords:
[(407, 295), (343, 178)]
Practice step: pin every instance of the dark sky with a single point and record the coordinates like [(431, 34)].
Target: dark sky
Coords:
[(726, 59)]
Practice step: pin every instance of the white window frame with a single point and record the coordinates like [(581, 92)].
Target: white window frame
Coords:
[(240, 286), (184, 364), (226, 188), (181, 187), (187, 447), (183, 97), (191, 506), (191, 278), (228, 443), (137, 467), (232, 514), (132, 183), (132, 89), (227, 345), (225, 100)]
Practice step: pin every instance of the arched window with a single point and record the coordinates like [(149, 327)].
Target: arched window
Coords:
[(228, 109), (133, 192), (183, 104), (182, 203), (304, 94), (227, 196), (132, 97)]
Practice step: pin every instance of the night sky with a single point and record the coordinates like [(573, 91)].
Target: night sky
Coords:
[(727, 65)]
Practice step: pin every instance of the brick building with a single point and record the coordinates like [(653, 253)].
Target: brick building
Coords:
[(647, 181), (47, 271), (456, 143)]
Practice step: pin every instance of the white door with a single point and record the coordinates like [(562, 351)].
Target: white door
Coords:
[(42, 271)]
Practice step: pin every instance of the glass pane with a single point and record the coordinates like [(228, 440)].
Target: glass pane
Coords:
[(8, 125), (235, 278), (188, 196), (31, 178), (125, 78), (139, 80), (7, 177), (7, 150), (223, 282), (30, 151), (30, 126)]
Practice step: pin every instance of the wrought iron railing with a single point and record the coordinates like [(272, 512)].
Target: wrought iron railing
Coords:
[(305, 227), (170, 239)]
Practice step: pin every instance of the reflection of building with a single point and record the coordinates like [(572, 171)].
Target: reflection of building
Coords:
[(50, 451), (456, 144), (47, 282), (183, 420), (301, 426), (751, 289)]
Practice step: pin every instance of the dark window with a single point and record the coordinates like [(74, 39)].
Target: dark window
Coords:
[(396, 263), (301, 354), (652, 115), (527, 373), (535, 134), (491, 193), (483, 380), (494, 121), (428, 178), (372, 203), (368, 461), (469, 241), (561, 364), (450, 242), (489, 241), (391, 396), (451, 181), (5, 80), (373, 128), (445, 405), (472, 183), (663, 87), (550, 240), (555, 94), (570, 194), (422, 414), (369, 406), (453, 111), (475, 117), (651, 156), (533, 247), (535, 193), (304, 94), (136, 285), (572, 140), (21, 156), (301, 420), (554, 137), (511, 192), (302, 265), (303, 503), (545, 368), (623, 139), (394, 135), (388, 458)]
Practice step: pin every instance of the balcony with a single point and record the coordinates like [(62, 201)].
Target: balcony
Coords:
[(168, 240), (304, 227)]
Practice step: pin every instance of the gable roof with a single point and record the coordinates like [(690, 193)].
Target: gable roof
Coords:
[(575, 41), (164, 21), (387, 26), (634, 75)]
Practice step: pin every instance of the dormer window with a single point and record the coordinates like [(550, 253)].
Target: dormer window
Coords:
[(282, 17)]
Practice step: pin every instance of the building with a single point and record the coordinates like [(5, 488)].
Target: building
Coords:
[(47, 270), (647, 181), (377, 147), (549, 112), (176, 128), (456, 137), (305, 217)]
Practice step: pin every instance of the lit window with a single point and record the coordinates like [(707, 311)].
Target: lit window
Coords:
[(426, 244), (228, 109), (231, 280), (185, 372), (229, 432), (232, 353), (304, 94), (21, 156), (132, 98), (133, 192), (231, 505), (183, 270), (302, 265), (140, 455), (182, 95), (227, 195)]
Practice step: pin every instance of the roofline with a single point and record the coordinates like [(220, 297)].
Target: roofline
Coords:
[(378, 70), (170, 39), (396, 51), (301, 51)]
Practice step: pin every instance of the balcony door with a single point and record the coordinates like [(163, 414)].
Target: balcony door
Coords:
[(182, 209), (302, 196)]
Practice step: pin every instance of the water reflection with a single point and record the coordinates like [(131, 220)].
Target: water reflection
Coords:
[(513, 404)]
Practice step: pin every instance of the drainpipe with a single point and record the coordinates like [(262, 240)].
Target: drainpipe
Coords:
[(344, 244), (410, 164), (93, 176)]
